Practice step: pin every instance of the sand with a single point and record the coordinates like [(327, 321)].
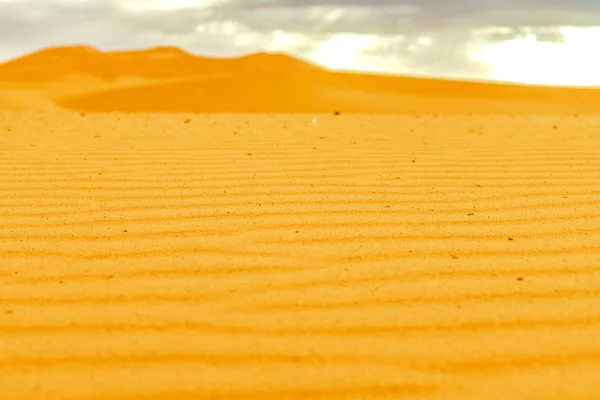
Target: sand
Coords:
[(264, 256)]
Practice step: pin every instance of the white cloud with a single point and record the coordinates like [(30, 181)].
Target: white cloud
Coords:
[(572, 61), (282, 41), (342, 51)]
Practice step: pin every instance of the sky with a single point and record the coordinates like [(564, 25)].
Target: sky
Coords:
[(529, 41)]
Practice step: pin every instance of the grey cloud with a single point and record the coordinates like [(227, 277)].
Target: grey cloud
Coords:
[(412, 17), (46, 23), (34, 24), (476, 13), (542, 34), (435, 7), (316, 19)]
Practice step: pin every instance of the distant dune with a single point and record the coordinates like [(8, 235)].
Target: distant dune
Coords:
[(167, 79)]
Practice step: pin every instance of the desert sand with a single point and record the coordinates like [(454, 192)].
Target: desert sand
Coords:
[(193, 234)]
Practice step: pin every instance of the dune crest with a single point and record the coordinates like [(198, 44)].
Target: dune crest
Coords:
[(168, 52), (54, 64)]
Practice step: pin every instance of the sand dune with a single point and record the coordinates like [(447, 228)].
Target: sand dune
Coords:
[(266, 257), (159, 64), (166, 79)]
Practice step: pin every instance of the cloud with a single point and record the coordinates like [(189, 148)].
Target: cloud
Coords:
[(405, 36)]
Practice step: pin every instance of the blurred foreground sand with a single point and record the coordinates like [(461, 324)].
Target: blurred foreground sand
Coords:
[(266, 257)]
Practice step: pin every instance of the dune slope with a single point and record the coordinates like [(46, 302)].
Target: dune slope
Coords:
[(252, 91), (267, 257), (236, 91)]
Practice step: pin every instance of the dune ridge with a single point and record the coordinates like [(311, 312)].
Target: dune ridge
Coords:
[(168, 79)]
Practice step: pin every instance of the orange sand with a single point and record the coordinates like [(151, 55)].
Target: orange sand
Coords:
[(261, 256)]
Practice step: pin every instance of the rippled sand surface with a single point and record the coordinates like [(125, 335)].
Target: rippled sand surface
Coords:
[(180, 256)]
